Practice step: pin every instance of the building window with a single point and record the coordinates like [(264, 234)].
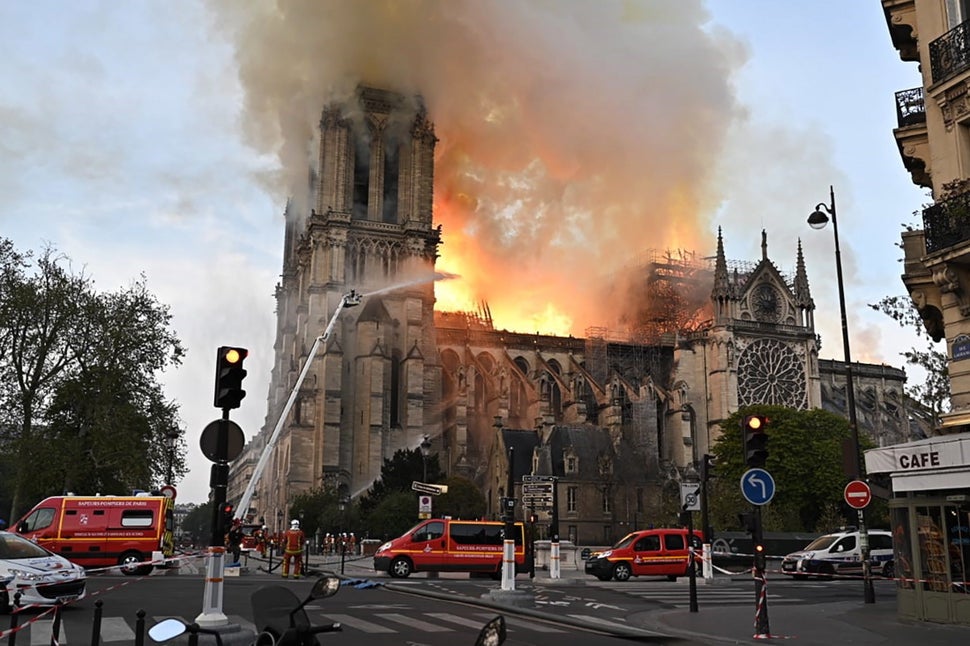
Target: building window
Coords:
[(571, 464), (639, 500), (606, 501), (571, 498)]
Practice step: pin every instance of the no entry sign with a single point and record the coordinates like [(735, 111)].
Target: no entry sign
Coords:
[(857, 494)]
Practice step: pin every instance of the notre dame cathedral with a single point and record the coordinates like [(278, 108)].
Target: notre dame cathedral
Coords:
[(618, 420)]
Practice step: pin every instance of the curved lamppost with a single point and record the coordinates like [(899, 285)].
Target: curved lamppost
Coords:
[(425, 452), (171, 438), (817, 220)]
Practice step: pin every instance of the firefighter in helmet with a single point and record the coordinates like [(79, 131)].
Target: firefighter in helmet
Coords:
[(293, 541)]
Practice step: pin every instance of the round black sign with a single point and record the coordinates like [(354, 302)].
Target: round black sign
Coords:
[(210, 440)]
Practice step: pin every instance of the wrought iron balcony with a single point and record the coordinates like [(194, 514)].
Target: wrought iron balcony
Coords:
[(947, 223), (950, 53), (910, 109)]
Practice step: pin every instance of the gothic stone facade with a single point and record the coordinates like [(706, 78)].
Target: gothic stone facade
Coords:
[(616, 421)]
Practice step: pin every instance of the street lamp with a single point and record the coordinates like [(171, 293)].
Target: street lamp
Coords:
[(425, 452), (817, 220), (171, 437)]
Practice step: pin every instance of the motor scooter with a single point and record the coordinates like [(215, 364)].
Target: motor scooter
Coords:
[(281, 619)]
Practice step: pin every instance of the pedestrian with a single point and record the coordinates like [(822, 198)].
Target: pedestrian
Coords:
[(293, 549), (234, 540)]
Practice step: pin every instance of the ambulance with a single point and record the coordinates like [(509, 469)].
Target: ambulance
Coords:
[(131, 532), (446, 545)]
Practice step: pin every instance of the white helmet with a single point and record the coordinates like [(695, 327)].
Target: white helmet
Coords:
[(294, 524)]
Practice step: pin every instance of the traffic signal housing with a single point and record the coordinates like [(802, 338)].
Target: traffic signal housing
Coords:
[(229, 377), (755, 440), (227, 516)]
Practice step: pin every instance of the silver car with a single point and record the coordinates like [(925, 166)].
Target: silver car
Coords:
[(40, 576)]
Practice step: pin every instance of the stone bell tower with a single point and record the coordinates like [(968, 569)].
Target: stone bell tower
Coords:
[(373, 387)]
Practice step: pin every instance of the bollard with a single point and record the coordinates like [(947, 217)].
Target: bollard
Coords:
[(14, 619), (56, 628), (343, 554), (140, 628), (194, 635), (96, 626)]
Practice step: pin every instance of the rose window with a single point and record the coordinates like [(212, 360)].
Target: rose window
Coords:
[(770, 372)]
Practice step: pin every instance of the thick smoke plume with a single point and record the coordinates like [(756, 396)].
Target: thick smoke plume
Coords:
[(573, 135)]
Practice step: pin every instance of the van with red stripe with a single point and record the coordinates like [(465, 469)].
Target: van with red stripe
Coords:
[(103, 531), (446, 545), (648, 552)]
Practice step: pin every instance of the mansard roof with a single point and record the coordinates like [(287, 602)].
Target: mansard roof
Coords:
[(591, 445)]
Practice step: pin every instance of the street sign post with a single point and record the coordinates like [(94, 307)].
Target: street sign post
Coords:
[(757, 486), (690, 498), (432, 489), (857, 494)]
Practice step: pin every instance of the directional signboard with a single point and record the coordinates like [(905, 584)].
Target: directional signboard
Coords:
[(432, 489), (757, 486), (857, 494)]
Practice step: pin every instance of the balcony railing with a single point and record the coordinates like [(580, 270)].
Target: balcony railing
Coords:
[(910, 109), (947, 223), (950, 53)]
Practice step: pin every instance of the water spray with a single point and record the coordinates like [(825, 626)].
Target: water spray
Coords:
[(350, 299)]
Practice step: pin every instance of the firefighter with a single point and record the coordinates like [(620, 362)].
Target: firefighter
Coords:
[(234, 540), (293, 549)]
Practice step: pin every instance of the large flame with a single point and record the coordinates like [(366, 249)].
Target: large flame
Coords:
[(571, 136)]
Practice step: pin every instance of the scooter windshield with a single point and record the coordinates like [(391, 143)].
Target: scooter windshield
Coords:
[(273, 606)]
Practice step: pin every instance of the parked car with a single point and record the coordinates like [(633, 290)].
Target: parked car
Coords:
[(40, 576), (648, 552), (841, 553)]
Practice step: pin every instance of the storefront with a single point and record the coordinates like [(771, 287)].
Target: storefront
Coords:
[(930, 515)]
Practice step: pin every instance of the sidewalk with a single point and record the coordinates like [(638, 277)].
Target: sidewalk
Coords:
[(831, 623)]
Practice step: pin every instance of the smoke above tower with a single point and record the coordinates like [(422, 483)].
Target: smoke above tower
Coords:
[(573, 135)]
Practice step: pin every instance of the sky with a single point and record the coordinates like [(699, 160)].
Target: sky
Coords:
[(163, 138)]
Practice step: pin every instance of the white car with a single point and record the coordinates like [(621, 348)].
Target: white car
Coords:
[(40, 576), (841, 553)]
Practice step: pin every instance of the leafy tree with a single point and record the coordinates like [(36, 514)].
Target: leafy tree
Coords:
[(197, 524), (463, 501), (395, 514), (804, 458), (397, 474), (319, 512), (933, 394), (82, 408)]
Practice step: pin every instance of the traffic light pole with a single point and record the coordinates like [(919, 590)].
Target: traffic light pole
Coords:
[(760, 594), (212, 614)]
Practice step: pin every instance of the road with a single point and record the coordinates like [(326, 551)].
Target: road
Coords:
[(371, 615), (440, 611)]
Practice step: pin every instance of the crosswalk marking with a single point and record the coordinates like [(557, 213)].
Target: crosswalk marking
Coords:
[(120, 630), (40, 632), (359, 624), (455, 619), (414, 622), (537, 626), (117, 629)]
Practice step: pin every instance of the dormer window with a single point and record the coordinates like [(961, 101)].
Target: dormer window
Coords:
[(572, 465)]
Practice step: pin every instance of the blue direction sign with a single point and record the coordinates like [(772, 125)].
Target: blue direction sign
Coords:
[(757, 486)]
